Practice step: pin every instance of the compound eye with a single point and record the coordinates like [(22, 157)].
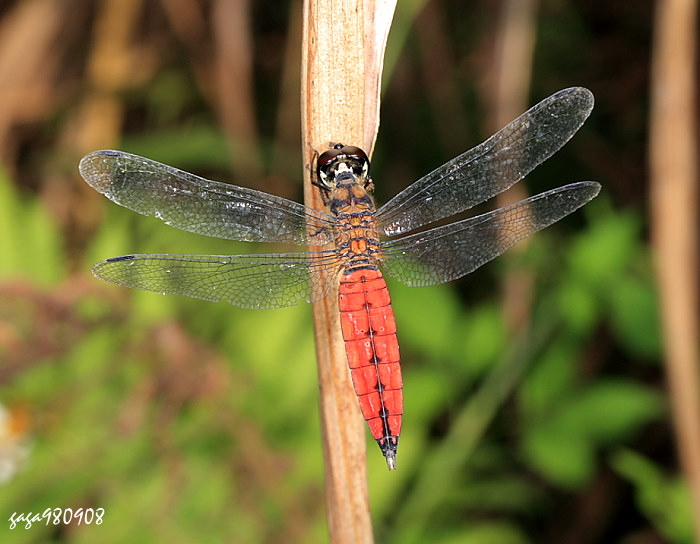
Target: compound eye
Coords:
[(328, 157), (355, 153), (360, 160), (325, 161)]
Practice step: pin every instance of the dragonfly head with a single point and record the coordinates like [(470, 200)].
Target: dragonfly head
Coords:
[(342, 159)]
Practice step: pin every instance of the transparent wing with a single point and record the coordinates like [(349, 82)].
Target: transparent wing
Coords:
[(199, 205), (491, 167), (452, 251), (249, 281)]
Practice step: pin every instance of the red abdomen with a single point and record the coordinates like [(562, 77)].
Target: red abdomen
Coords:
[(369, 331)]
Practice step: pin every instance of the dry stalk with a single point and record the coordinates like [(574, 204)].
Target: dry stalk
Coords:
[(515, 43), (342, 55), (674, 190)]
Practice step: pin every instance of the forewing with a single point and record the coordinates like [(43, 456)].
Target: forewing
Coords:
[(248, 281), (452, 251), (199, 205), (491, 167)]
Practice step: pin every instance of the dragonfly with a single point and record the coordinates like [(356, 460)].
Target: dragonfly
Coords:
[(347, 246)]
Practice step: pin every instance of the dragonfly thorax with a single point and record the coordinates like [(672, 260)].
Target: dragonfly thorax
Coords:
[(357, 239), (349, 198)]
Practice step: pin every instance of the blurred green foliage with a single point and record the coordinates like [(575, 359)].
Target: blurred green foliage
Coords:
[(196, 422), (664, 500), (25, 225), (173, 414)]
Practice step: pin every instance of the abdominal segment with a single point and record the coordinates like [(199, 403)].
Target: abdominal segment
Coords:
[(369, 331)]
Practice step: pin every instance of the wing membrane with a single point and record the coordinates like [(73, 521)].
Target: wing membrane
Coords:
[(199, 205), (491, 167), (449, 252), (249, 281)]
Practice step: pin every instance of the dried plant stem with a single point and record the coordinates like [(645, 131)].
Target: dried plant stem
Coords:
[(98, 120), (674, 181), (234, 78), (342, 51), (515, 44)]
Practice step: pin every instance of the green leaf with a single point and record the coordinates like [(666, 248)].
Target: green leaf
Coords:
[(601, 254), (113, 238), (578, 306), (493, 532), (10, 215), (611, 411), (32, 246), (482, 340), (549, 381), (426, 318), (192, 148), (635, 317), (562, 446), (664, 500), (562, 456), (501, 492)]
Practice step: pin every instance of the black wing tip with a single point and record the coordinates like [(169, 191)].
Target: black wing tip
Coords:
[(86, 167), (119, 259), (107, 153), (582, 94), (593, 187), (97, 267), (585, 191), (101, 153)]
